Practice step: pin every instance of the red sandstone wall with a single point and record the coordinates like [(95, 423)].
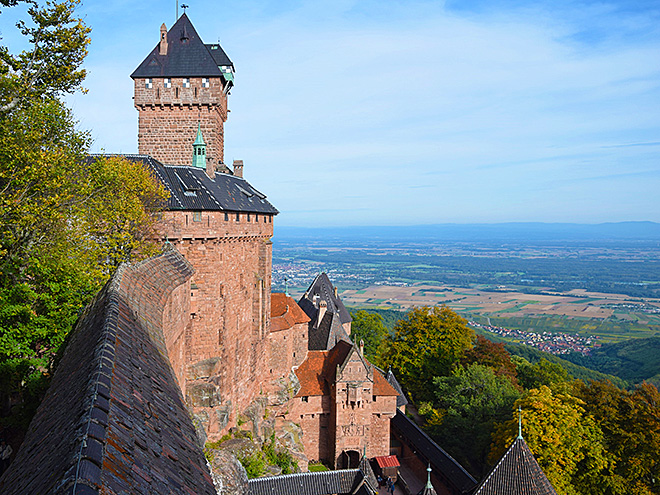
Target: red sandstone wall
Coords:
[(314, 418), (168, 118), (230, 304)]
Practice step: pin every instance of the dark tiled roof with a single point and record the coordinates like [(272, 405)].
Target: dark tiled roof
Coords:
[(322, 287), (191, 189), (188, 57), (113, 420), (517, 472), (327, 334), (322, 483), (360, 481), (442, 463)]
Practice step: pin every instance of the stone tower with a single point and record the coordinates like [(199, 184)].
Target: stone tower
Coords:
[(182, 86)]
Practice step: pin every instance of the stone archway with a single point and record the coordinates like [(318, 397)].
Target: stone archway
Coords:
[(348, 459)]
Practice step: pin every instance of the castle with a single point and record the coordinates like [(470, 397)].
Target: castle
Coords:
[(197, 332), (241, 343)]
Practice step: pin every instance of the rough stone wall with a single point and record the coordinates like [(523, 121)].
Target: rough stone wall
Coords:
[(313, 416), (287, 349), (230, 299), (168, 119)]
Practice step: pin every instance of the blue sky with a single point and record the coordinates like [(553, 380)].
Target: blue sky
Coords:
[(395, 113)]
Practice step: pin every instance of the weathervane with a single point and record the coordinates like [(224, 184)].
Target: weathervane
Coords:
[(184, 7), (519, 422)]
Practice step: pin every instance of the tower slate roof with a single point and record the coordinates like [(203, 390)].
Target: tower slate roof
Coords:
[(323, 288), (187, 56), (114, 420), (192, 189), (517, 472)]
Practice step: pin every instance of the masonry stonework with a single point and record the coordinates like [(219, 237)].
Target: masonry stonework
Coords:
[(168, 118)]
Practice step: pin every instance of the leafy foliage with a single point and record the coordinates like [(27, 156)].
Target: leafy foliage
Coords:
[(426, 344), (369, 327), (472, 399)]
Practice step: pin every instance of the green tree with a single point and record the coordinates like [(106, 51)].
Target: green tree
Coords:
[(566, 441), (426, 344), (631, 426), (65, 221), (542, 373), (369, 328), (57, 46), (473, 398)]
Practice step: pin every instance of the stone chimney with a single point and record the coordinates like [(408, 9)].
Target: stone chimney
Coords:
[(238, 168), (361, 347), (335, 292), (163, 40), (323, 306), (210, 169)]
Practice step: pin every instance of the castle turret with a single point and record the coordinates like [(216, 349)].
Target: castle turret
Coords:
[(181, 88), (199, 150)]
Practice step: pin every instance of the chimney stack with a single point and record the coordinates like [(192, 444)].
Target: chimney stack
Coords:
[(335, 292), (323, 306), (163, 40), (210, 169), (238, 168), (361, 347)]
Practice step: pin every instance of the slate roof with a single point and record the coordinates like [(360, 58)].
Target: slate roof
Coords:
[(113, 420), (187, 55), (191, 189), (442, 463), (328, 333), (322, 287), (285, 312), (360, 481), (517, 472)]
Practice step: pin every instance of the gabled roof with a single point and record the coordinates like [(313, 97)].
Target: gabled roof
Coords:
[(444, 465), (327, 333), (285, 312), (191, 189), (517, 472), (318, 372), (323, 288), (391, 379), (187, 55), (114, 420)]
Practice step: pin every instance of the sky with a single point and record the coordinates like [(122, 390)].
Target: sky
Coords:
[(413, 112)]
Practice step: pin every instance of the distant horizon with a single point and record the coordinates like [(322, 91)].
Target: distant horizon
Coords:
[(424, 112)]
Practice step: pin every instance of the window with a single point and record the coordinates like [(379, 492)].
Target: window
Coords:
[(206, 83), (248, 217), (186, 82), (270, 218), (226, 217), (238, 217), (256, 217), (304, 398), (167, 82), (149, 83), (176, 91), (197, 216)]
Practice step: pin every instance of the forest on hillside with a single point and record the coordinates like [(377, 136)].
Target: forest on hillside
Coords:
[(590, 434)]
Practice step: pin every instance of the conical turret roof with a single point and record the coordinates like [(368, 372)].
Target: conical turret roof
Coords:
[(516, 473)]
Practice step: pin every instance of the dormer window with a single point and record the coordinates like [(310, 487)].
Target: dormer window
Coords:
[(186, 82), (167, 82), (206, 83), (149, 83)]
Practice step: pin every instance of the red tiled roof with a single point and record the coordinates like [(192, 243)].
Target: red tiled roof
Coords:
[(285, 312), (318, 371), (387, 461)]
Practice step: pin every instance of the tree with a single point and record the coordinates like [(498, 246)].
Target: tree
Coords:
[(473, 398), (66, 221), (58, 44), (542, 373), (426, 344), (631, 426), (369, 328), (493, 355), (567, 442)]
